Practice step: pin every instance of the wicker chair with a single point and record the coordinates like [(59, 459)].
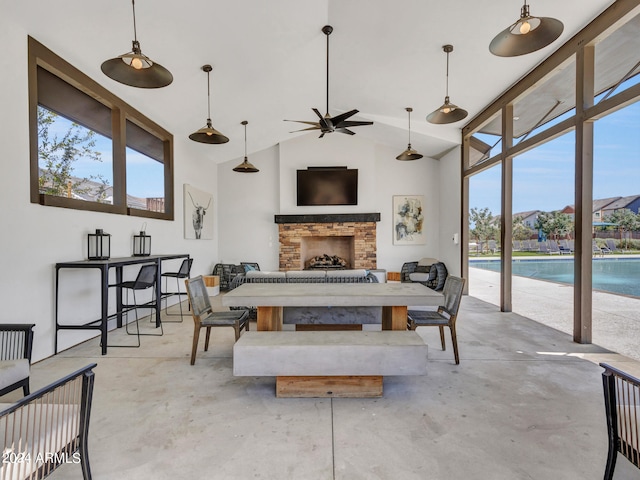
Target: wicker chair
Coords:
[(205, 317), (622, 409), (432, 275), (16, 343), (445, 316)]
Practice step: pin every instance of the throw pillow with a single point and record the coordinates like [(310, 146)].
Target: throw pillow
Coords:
[(249, 268)]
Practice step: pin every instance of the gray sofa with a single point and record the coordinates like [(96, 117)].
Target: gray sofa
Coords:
[(301, 276), (304, 276)]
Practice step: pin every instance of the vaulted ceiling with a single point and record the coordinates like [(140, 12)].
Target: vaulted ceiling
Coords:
[(268, 60)]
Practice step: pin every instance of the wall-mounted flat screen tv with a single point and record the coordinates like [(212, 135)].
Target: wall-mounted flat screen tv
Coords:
[(327, 186)]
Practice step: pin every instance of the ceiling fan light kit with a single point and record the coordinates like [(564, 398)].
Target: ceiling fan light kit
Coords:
[(208, 134), (136, 69), (245, 166), (409, 153), (327, 123), (528, 34), (448, 112)]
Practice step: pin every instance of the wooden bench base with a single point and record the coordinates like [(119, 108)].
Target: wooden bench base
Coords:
[(337, 387)]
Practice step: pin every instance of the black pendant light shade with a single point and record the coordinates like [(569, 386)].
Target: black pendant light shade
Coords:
[(208, 134), (136, 69), (448, 112), (526, 35), (245, 166), (409, 153)]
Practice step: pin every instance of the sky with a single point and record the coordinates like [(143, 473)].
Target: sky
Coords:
[(543, 178), (145, 176)]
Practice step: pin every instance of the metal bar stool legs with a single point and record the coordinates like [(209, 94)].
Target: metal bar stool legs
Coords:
[(182, 273)]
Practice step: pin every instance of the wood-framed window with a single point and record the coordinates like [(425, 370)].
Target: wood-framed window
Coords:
[(89, 149)]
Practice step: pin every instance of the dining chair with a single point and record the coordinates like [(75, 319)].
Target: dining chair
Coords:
[(445, 316), (205, 317), (182, 273)]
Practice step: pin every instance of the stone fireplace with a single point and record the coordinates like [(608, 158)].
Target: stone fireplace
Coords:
[(350, 236)]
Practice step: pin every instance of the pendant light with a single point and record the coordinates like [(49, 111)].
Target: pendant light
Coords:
[(136, 69), (448, 112), (526, 35), (245, 166), (208, 134), (409, 153)]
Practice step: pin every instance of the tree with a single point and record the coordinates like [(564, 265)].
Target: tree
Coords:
[(483, 225), (627, 221), (57, 154), (554, 224), (520, 231)]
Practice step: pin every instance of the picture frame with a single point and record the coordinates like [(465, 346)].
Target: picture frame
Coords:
[(198, 214), (408, 220)]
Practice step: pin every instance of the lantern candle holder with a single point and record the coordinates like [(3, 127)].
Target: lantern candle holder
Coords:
[(99, 245), (141, 244)]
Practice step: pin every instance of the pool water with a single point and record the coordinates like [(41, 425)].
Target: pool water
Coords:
[(614, 275)]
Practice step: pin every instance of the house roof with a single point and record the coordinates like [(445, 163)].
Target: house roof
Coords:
[(622, 202), (269, 61)]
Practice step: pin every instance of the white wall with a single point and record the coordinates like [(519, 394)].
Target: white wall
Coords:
[(450, 208), (35, 237), (248, 202), (246, 221)]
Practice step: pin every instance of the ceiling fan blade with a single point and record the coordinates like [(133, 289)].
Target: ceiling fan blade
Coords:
[(343, 116), (318, 113), (350, 123), (321, 135), (306, 129), (305, 122), (345, 130)]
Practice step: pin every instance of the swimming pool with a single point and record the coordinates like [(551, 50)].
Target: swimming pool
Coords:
[(615, 275)]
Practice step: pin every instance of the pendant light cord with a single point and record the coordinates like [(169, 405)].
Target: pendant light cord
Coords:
[(447, 89), (208, 97), (409, 112), (245, 141), (327, 110), (133, 6)]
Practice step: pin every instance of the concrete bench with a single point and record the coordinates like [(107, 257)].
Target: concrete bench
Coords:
[(316, 363)]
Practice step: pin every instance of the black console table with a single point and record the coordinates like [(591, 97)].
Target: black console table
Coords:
[(104, 266)]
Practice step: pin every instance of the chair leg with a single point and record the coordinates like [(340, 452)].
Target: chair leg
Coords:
[(196, 337), (25, 387), (454, 340), (444, 347), (206, 339), (166, 303), (236, 327), (151, 319)]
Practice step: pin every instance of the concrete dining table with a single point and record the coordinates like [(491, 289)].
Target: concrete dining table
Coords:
[(393, 298)]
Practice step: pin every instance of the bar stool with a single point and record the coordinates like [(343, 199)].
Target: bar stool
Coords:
[(182, 273), (146, 279)]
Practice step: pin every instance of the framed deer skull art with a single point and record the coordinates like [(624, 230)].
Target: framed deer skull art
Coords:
[(198, 214)]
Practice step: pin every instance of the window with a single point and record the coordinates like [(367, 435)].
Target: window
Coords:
[(89, 149)]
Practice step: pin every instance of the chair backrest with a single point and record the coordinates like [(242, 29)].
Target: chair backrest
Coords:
[(16, 341), (611, 245), (185, 268), (452, 294), (622, 410), (146, 277), (198, 296)]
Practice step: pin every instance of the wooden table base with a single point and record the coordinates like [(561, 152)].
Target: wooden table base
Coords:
[(339, 387)]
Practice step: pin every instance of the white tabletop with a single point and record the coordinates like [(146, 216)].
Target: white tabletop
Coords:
[(332, 294)]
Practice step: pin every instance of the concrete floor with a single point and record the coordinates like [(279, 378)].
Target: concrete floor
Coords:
[(524, 403)]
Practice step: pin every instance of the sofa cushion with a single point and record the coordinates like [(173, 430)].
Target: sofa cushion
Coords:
[(12, 371), (419, 277), (355, 273), (301, 275), (258, 274), (426, 261)]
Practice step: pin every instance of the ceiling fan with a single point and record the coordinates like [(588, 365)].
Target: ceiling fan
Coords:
[(327, 123)]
